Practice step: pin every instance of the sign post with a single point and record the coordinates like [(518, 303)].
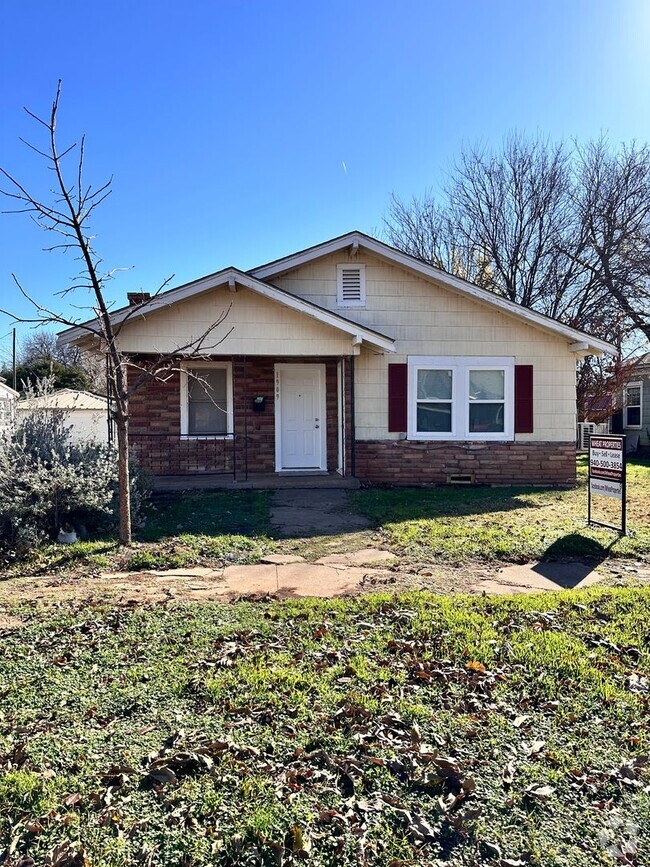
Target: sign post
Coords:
[(607, 475)]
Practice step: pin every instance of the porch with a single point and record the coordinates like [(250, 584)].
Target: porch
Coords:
[(247, 422)]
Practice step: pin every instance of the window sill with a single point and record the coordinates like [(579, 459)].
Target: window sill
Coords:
[(447, 438), (186, 437)]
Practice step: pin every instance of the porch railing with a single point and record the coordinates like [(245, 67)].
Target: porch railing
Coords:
[(182, 454)]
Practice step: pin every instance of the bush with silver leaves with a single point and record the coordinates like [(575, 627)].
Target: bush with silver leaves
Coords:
[(48, 482)]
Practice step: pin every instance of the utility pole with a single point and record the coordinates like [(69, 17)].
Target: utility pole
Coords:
[(14, 358)]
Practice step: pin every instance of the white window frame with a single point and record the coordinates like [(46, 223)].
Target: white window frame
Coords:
[(340, 302), (461, 367), (638, 385), (205, 365)]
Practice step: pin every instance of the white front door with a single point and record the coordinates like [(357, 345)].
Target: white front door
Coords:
[(300, 417)]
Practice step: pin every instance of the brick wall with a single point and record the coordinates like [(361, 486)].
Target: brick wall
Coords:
[(401, 462), (155, 422)]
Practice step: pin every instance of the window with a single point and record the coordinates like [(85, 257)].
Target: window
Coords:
[(351, 285), (633, 403), (487, 398), (206, 400), (434, 400), (454, 398)]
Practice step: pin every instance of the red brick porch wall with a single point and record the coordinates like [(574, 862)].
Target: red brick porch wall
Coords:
[(402, 462), (155, 422)]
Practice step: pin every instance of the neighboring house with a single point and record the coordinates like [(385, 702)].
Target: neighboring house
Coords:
[(85, 414), (354, 357), (634, 419), (8, 398)]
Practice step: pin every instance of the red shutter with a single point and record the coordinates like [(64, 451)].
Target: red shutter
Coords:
[(397, 397), (523, 398)]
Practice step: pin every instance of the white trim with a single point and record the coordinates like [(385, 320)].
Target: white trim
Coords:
[(198, 364), (340, 407), (340, 300), (272, 269), (322, 385), (224, 278), (460, 403), (638, 385)]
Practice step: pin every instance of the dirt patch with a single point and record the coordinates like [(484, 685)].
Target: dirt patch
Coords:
[(344, 576), (9, 623)]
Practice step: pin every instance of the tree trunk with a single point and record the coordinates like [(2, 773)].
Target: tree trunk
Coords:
[(122, 430)]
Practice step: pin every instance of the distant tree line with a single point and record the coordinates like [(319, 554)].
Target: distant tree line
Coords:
[(40, 357)]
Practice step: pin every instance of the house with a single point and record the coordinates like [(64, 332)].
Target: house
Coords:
[(85, 414), (353, 357), (8, 398), (634, 417)]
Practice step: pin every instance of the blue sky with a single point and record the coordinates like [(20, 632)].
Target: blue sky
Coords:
[(227, 125)]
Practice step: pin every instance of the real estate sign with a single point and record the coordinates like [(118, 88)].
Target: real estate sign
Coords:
[(607, 473)]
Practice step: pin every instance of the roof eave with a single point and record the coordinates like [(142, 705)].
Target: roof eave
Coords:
[(241, 278)]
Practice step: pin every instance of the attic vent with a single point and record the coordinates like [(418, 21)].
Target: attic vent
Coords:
[(351, 285)]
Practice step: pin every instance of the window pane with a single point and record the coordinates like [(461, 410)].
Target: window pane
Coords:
[(208, 401), (206, 418), (434, 418), (205, 384), (434, 384), (486, 385), (486, 418), (633, 397), (634, 416)]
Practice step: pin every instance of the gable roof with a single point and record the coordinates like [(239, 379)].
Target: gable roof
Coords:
[(582, 342), (6, 391), (65, 399), (233, 276)]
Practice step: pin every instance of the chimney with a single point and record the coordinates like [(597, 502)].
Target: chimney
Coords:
[(136, 298)]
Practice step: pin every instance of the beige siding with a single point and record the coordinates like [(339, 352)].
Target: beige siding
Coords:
[(257, 326), (427, 319)]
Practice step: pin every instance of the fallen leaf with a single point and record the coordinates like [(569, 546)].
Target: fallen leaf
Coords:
[(540, 792), (508, 773)]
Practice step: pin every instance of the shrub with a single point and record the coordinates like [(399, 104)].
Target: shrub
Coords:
[(48, 482)]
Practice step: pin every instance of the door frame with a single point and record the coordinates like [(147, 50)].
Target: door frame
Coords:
[(322, 383)]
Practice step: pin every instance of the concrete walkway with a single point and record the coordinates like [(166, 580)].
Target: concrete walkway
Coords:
[(278, 574), (533, 577), (300, 512), (285, 576)]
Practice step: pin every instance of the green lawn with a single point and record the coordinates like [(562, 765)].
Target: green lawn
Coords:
[(447, 525), (518, 524), (379, 731)]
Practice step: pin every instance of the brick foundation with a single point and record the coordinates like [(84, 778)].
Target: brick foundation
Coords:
[(401, 462)]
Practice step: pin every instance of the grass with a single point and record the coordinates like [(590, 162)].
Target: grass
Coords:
[(421, 525), (379, 730), (182, 530), (458, 525)]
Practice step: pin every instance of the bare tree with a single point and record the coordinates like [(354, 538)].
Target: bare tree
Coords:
[(611, 199), (69, 216), (42, 344), (508, 221), (423, 228)]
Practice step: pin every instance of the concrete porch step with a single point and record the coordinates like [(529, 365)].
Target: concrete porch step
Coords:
[(259, 481)]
